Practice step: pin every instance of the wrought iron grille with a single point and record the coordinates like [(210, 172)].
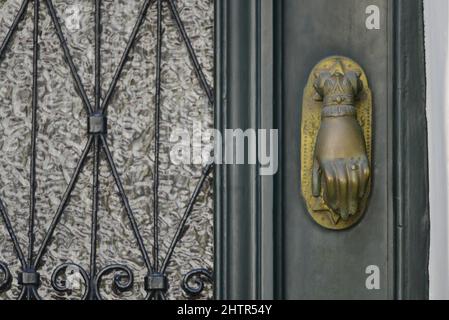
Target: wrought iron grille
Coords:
[(117, 279)]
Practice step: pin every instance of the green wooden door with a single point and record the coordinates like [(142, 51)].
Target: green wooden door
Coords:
[(267, 245)]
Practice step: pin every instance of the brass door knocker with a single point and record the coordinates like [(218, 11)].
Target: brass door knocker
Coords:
[(336, 143)]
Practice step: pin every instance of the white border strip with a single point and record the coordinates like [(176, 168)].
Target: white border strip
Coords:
[(436, 19)]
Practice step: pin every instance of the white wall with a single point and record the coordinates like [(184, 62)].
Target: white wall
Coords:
[(436, 18)]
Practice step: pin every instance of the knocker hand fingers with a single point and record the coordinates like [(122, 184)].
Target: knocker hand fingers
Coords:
[(353, 187), (342, 188), (342, 183), (330, 186), (364, 175)]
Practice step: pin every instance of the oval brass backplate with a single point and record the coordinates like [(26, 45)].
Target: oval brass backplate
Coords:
[(336, 138)]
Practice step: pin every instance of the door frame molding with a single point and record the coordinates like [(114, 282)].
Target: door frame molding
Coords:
[(248, 94), (411, 183)]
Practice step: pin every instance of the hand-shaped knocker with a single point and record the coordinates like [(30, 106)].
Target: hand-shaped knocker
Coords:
[(340, 164)]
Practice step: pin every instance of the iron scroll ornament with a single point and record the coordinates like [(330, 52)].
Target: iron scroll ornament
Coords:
[(336, 143)]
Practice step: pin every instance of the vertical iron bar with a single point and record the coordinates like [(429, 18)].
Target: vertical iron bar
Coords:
[(94, 222), (97, 54), (13, 27), (96, 153), (33, 136), (193, 57), (157, 137)]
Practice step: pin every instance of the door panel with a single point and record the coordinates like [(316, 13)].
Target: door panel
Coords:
[(325, 263), (267, 245)]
